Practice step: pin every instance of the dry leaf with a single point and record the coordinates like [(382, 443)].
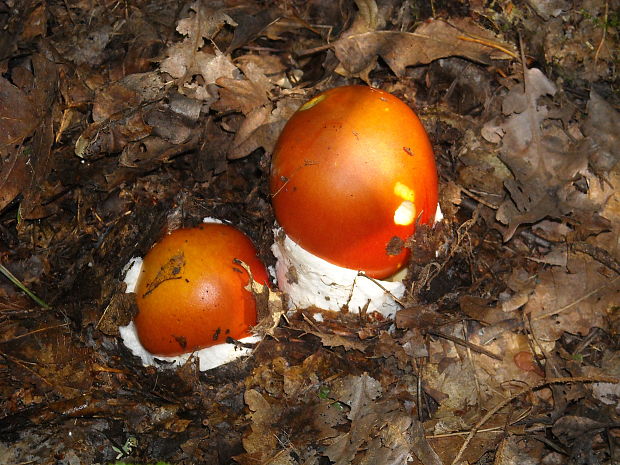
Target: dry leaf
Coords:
[(334, 340), (127, 94), (266, 134), (195, 56), (44, 94), (381, 431), (262, 417), (366, 20), (431, 41), (14, 175), (250, 24), (17, 115), (357, 392), (601, 127), (572, 300), (244, 95), (543, 160)]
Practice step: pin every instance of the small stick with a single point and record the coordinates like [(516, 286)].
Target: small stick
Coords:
[(464, 343)]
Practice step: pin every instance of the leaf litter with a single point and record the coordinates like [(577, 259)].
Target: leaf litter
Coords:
[(156, 115)]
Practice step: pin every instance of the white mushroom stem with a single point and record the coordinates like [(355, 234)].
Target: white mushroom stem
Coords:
[(309, 281)]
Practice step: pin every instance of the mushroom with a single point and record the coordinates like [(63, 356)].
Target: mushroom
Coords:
[(352, 174), (192, 295)]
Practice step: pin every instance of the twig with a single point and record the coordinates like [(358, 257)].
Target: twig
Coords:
[(598, 254), (506, 401), (478, 199), (464, 343), (19, 363), (312, 51), (602, 41), (19, 284), (378, 283), (30, 333), (486, 43), (492, 429)]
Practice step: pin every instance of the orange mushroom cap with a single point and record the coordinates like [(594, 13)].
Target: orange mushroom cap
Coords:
[(190, 293), (353, 171)]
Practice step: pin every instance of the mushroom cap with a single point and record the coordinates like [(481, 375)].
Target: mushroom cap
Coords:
[(191, 294), (353, 171)]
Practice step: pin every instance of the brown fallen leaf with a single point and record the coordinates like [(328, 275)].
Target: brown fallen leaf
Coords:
[(195, 56), (17, 114), (572, 299), (601, 128), (17, 121), (34, 205), (112, 135), (542, 157), (14, 175), (244, 95), (260, 442), (334, 340), (263, 128), (431, 41), (366, 20), (251, 22), (128, 93), (381, 432), (357, 392)]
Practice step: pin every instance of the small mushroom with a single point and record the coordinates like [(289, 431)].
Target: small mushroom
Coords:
[(192, 294)]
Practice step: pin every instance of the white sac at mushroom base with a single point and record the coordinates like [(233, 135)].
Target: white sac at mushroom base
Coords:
[(311, 281)]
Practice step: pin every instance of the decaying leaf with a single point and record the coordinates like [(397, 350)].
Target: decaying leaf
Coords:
[(244, 95), (573, 299), (263, 128), (357, 392), (127, 94), (17, 115), (603, 139), (17, 121), (250, 22), (35, 204), (263, 415), (523, 150), (13, 176), (112, 135), (380, 432), (430, 41), (544, 160), (195, 56)]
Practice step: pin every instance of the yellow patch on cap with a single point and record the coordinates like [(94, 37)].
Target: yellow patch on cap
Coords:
[(405, 214), (404, 192), (312, 102)]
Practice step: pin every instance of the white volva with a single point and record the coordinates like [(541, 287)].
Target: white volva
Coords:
[(311, 281), (208, 358)]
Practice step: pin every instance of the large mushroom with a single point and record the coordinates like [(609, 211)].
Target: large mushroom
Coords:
[(353, 173)]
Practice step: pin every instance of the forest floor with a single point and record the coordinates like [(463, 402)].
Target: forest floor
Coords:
[(120, 120)]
